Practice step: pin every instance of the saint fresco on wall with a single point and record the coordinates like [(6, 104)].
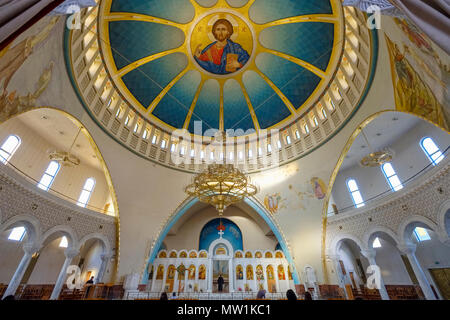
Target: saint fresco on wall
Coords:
[(239, 272), (420, 75), (11, 60), (191, 273), (281, 275), (259, 272), (319, 188), (160, 272)]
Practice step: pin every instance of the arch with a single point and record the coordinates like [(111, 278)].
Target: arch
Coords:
[(253, 203), (162, 254), (93, 144), (441, 217), (408, 225), (268, 254), (218, 242), (239, 254), (31, 224), (370, 235), (103, 239), (337, 167), (183, 254), (338, 239), (66, 231), (173, 254), (193, 254)]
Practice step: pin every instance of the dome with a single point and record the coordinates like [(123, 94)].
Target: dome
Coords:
[(287, 52), (162, 76)]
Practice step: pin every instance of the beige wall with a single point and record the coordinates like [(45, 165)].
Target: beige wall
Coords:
[(188, 234)]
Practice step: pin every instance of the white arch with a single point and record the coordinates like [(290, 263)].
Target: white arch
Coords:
[(31, 224), (337, 240), (224, 242), (71, 235), (443, 209), (406, 226), (367, 240), (99, 236)]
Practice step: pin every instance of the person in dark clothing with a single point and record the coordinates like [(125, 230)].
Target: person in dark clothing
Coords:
[(308, 296), (90, 281), (220, 283), (163, 296), (290, 295)]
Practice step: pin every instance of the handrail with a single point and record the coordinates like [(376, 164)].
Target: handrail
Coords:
[(57, 193), (389, 191)]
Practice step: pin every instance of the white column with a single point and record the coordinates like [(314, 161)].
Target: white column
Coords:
[(339, 276), (22, 267), (186, 274), (370, 255), (155, 271), (266, 284), (286, 277), (70, 254), (255, 282), (410, 250), (209, 275), (175, 281), (244, 271), (101, 272), (166, 270), (275, 275), (231, 275)]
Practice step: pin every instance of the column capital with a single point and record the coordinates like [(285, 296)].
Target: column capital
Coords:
[(30, 248), (407, 248), (71, 253), (369, 253)]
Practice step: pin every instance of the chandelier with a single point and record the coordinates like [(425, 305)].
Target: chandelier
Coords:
[(378, 158), (221, 185), (65, 158)]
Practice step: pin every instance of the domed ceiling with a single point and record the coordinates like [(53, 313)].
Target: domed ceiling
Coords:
[(232, 64)]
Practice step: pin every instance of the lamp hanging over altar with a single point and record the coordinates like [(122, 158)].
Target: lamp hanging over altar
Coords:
[(221, 185), (378, 158), (66, 158)]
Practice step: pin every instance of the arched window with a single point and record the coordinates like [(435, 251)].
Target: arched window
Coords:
[(49, 175), (86, 192), (8, 148), (431, 150), (391, 176), (421, 234), (17, 234), (354, 192)]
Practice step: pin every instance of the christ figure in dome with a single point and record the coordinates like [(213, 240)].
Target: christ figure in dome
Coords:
[(222, 56)]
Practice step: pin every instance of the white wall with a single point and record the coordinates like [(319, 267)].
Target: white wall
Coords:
[(32, 158), (408, 160), (188, 234)]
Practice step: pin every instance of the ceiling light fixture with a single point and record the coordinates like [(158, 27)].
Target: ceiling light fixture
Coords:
[(378, 158), (221, 185), (66, 159)]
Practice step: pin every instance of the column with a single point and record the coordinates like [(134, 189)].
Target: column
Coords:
[(370, 255), (255, 282), (275, 275), (209, 275), (186, 281), (101, 272), (23, 265), (166, 270), (155, 269), (339, 276), (197, 266), (409, 250), (244, 271), (230, 275), (175, 281), (266, 284), (70, 254), (286, 277)]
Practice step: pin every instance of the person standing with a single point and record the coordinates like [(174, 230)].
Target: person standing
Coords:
[(220, 283)]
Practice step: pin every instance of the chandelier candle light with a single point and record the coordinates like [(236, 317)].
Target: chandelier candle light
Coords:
[(221, 185)]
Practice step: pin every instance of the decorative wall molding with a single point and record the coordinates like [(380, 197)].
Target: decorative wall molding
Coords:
[(424, 201), (45, 214)]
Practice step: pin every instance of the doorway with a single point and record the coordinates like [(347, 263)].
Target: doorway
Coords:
[(220, 267)]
